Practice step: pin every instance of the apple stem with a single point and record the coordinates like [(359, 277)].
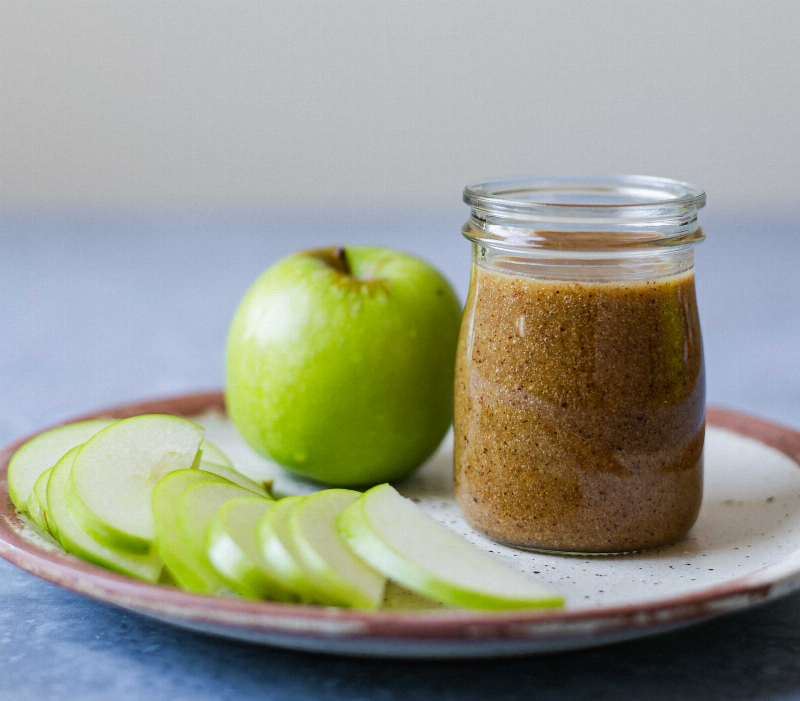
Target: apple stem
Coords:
[(339, 256)]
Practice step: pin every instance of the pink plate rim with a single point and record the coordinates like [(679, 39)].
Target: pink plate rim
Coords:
[(257, 617)]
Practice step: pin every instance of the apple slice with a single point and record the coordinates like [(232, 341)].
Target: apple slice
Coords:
[(190, 573), (233, 475), (115, 472), (279, 550), (342, 577), (234, 552), (399, 539), (44, 451), (211, 453), (40, 493), (36, 512), (78, 542), (197, 505)]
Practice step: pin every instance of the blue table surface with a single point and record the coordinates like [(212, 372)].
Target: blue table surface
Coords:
[(100, 308)]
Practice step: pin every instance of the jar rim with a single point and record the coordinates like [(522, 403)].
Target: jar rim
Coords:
[(626, 198), (584, 216)]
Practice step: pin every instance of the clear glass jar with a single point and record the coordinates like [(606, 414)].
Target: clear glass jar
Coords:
[(580, 384)]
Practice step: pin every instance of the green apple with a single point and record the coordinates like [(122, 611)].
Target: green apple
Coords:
[(233, 475), (340, 364), (115, 471), (197, 506), (78, 542), (44, 451), (234, 551), (397, 538), (189, 571), (212, 454), (342, 577), (279, 550)]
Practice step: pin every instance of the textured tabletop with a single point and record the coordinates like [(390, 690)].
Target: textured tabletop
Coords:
[(104, 308)]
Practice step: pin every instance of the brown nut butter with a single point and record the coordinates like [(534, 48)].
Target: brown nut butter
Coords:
[(580, 401)]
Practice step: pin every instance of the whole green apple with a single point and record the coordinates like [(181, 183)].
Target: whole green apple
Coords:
[(340, 363)]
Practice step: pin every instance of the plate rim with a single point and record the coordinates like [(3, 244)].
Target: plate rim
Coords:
[(460, 625)]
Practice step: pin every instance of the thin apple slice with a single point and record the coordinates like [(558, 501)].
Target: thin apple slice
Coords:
[(342, 577), (399, 539), (196, 507), (36, 512), (211, 453), (279, 550), (40, 492), (78, 542), (233, 475), (44, 451), (115, 472), (234, 552), (190, 573)]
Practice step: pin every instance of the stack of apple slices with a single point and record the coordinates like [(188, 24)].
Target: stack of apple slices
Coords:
[(149, 497)]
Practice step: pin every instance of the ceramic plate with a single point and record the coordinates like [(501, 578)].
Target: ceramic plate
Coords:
[(744, 550)]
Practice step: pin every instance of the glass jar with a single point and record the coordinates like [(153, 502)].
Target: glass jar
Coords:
[(580, 384)]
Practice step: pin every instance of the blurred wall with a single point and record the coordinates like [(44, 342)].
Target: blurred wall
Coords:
[(236, 103)]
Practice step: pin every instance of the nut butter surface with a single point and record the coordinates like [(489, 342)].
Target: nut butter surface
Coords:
[(579, 411)]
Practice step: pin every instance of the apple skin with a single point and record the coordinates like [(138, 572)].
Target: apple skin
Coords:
[(340, 364)]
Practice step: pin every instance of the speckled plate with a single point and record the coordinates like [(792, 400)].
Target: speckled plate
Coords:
[(744, 550)]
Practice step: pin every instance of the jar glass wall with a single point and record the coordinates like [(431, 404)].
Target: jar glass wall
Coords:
[(580, 385)]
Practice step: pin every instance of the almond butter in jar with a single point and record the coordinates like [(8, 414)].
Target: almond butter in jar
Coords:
[(580, 384)]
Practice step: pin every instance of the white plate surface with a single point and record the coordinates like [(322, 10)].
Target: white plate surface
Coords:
[(750, 519)]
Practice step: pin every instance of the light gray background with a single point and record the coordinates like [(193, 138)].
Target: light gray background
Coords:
[(250, 102), (155, 157)]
